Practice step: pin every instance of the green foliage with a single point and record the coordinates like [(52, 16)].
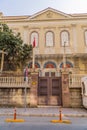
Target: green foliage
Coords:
[(18, 53)]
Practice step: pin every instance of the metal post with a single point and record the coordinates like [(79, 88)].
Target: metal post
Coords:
[(64, 56), (25, 102), (26, 82), (33, 63)]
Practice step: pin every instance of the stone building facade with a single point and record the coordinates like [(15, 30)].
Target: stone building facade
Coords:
[(60, 41)]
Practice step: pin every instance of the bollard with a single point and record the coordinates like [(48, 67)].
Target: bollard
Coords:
[(15, 114), (60, 118), (60, 115), (14, 119)]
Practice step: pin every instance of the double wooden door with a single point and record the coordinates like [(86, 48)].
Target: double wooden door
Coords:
[(49, 91)]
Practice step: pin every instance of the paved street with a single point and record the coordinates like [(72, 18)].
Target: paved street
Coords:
[(40, 118), (43, 123)]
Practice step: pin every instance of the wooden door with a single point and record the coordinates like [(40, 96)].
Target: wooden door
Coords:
[(49, 91)]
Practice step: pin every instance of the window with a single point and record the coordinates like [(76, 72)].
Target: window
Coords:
[(50, 64), (68, 64), (49, 39), (37, 65), (64, 38), (34, 35), (86, 37)]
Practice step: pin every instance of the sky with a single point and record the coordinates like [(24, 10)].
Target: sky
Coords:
[(30, 7)]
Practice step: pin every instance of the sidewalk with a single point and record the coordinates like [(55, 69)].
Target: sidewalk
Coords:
[(45, 111)]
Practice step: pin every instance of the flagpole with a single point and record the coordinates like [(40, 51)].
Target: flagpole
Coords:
[(33, 62), (64, 56)]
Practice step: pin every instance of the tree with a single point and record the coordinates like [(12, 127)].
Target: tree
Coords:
[(18, 52)]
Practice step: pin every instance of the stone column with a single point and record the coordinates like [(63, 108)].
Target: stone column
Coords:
[(65, 89), (33, 89)]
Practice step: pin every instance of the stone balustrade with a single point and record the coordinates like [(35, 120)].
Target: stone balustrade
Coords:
[(18, 81), (13, 81), (75, 80)]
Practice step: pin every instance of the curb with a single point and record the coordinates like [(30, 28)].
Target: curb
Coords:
[(75, 115), (44, 115)]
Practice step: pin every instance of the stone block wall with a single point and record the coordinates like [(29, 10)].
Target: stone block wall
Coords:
[(14, 97), (75, 97)]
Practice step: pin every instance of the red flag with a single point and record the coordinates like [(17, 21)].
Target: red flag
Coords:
[(34, 43)]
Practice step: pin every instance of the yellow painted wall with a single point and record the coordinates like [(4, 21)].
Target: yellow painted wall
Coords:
[(55, 21)]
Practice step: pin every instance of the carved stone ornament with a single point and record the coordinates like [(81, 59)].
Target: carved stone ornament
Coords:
[(49, 15)]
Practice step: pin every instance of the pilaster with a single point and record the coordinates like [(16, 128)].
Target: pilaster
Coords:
[(65, 89), (33, 89)]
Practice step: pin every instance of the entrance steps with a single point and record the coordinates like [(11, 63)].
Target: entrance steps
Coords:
[(46, 106)]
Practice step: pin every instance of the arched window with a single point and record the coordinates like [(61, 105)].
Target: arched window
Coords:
[(50, 64), (68, 65), (34, 36), (64, 38), (86, 37), (49, 39), (37, 65)]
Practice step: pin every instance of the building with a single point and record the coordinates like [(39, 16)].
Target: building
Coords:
[(60, 42)]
